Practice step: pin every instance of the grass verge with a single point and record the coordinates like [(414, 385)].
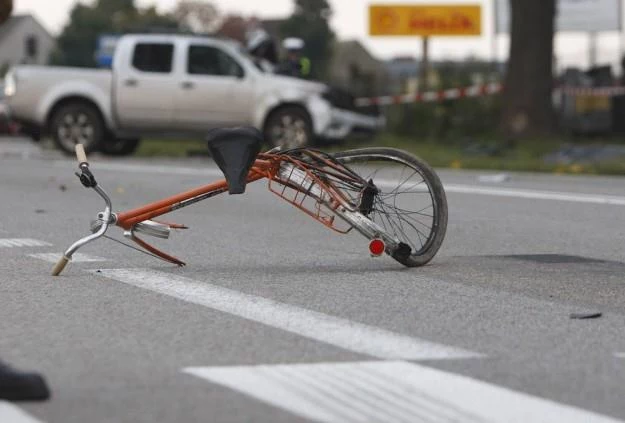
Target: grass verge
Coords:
[(523, 156)]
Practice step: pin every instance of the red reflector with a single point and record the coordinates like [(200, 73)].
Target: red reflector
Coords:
[(377, 247)]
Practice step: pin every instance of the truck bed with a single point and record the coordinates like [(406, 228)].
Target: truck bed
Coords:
[(35, 83)]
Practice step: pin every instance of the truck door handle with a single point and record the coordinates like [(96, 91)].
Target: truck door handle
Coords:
[(131, 82), (187, 85)]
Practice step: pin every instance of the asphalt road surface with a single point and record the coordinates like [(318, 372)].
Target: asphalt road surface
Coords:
[(277, 319)]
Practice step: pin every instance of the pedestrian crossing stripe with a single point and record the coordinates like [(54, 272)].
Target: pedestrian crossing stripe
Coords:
[(76, 258), (389, 392), (13, 414)]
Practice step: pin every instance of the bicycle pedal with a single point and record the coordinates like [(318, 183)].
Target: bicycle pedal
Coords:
[(151, 228)]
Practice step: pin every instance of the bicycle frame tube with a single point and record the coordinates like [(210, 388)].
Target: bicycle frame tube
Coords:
[(267, 165), (130, 218)]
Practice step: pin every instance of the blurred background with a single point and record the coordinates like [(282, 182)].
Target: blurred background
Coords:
[(498, 84)]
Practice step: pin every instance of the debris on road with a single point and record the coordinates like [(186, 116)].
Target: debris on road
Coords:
[(580, 316), (22, 386), (495, 179)]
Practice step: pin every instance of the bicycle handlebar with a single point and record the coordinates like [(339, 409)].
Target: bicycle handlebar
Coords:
[(60, 265), (81, 155), (88, 181)]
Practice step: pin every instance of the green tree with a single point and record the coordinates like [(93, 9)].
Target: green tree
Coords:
[(527, 107), (197, 15), (77, 43), (235, 27), (311, 22)]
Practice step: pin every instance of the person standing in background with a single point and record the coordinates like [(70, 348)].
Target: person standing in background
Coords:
[(296, 63), (16, 385)]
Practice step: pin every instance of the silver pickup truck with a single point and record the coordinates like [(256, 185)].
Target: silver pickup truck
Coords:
[(176, 85)]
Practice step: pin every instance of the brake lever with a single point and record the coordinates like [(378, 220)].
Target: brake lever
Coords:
[(86, 177)]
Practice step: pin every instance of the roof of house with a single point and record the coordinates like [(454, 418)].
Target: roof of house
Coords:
[(272, 26), (355, 50)]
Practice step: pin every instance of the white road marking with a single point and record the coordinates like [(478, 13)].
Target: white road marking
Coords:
[(22, 242), (77, 258), (619, 355), (537, 195), (389, 392), (10, 413), (450, 188), (342, 333), (520, 193)]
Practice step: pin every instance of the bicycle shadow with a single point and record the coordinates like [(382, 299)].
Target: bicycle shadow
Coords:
[(354, 268)]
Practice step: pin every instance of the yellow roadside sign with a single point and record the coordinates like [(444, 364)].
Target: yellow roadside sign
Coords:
[(592, 103), (423, 20)]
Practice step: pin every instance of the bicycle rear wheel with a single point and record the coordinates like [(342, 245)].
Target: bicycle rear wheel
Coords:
[(410, 204)]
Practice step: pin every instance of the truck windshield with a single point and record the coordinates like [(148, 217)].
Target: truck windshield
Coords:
[(262, 65)]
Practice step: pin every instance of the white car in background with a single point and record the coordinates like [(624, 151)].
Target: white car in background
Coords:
[(173, 86), (6, 124)]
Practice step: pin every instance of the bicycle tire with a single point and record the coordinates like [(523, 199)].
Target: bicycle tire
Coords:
[(418, 256)]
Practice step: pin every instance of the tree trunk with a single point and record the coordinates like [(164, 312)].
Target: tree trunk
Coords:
[(527, 98), (6, 7)]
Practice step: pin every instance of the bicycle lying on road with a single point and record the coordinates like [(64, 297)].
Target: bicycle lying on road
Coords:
[(391, 197)]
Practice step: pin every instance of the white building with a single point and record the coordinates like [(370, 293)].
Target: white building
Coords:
[(23, 40)]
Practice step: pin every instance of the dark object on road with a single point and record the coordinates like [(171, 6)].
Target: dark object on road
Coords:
[(586, 315), (234, 150), (22, 386)]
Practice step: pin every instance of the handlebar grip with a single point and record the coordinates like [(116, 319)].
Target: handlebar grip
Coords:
[(80, 154), (60, 265)]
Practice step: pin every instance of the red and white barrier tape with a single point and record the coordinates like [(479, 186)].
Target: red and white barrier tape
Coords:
[(477, 91), (431, 96)]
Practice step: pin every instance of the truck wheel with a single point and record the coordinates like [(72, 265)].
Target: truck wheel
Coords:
[(118, 147), (289, 127), (74, 123)]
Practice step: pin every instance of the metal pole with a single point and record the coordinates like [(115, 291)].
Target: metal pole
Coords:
[(495, 40), (425, 64), (621, 50), (592, 49)]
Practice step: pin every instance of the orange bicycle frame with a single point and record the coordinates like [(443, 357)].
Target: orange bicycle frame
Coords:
[(309, 181), (261, 169), (266, 166)]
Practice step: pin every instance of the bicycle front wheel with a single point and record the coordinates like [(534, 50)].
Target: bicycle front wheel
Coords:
[(410, 203)]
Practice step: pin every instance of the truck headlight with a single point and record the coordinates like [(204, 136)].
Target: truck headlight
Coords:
[(10, 85)]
